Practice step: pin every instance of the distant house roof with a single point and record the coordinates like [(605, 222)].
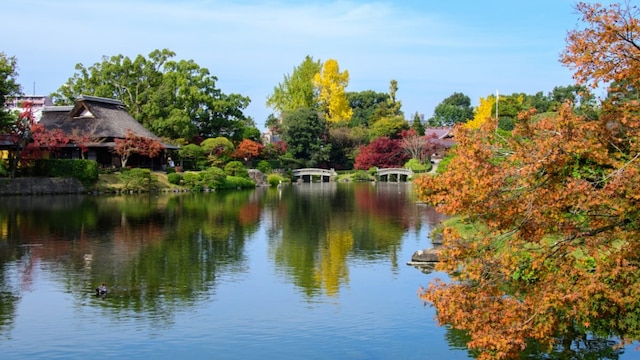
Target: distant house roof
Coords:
[(444, 136), (95, 116), (439, 132)]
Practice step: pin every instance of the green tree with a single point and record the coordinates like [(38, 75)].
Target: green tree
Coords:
[(192, 154), (364, 105), (296, 90), (580, 95), (394, 105), (236, 168), (249, 130), (389, 127), (417, 124), (9, 87), (391, 107), (306, 133), (175, 99), (345, 142), (452, 110), (218, 150)]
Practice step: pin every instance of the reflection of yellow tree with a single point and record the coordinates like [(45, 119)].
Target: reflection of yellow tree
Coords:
[(332, 268)]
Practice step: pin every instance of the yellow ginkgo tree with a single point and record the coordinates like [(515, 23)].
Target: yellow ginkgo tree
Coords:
[(330, 84), (482, 112)]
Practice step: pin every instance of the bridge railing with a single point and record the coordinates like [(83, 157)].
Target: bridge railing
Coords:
[(394, 171), (314, 171)]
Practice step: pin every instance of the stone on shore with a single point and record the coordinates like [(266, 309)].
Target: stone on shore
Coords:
[(425, 255)]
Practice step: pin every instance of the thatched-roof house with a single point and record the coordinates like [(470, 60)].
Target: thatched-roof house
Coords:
[(101, 121)]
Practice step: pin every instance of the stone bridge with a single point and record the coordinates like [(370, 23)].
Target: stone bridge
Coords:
[(399, 173), (307, 174)]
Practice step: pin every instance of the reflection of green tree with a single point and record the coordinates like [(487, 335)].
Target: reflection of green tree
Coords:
[(320, 226), (200, 236), (31, 217), (303, 225), (156, 253), (8, 296)]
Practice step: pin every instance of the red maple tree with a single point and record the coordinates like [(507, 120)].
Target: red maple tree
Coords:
[(136, 144), (382, 152)]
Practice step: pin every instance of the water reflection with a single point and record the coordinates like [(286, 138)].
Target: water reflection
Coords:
[(154, 253), (167, 255), (158, 251), (316, 228)]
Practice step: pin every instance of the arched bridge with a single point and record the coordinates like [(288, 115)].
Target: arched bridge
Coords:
[(399, 173), (307, 174)]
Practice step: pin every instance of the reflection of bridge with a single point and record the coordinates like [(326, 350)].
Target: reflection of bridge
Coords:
[(399, 173), (308, 174)]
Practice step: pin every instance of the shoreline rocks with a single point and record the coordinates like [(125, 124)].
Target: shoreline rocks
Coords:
[(426, 255), (425, 260), (40, 186)]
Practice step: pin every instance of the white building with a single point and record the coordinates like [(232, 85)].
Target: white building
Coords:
[(38, 104)]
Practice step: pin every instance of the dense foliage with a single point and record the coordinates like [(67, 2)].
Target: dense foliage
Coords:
[(172, 98), (451, 111), (382, 152), (296, 90), (84, 170), (305, 132), (554, 205), (8, 87)]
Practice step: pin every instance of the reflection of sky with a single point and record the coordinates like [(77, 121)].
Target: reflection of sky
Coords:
[(254, 312)]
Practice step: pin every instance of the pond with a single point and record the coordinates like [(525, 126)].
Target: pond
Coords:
[(314, 271)]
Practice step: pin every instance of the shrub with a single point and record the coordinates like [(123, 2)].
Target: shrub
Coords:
[(138, 179), (237, 182), (444, 164), (416, 166), (193, 181), (213, 177), (4, 171), (170, 170), (235, 168), (275, 179), (264, 167), (361, 175), (174, 178)]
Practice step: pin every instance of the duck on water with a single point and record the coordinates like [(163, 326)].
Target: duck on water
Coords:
[(102, 290)]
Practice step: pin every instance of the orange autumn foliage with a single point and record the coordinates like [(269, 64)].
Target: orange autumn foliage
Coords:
[(557, 248), (248, 149)]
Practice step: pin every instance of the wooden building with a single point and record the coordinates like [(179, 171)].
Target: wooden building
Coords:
[(102, 121)]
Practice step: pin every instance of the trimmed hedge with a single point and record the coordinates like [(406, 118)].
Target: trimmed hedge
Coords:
[(84, 170)]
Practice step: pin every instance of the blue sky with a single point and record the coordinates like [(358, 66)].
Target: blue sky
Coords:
[(432, 48)]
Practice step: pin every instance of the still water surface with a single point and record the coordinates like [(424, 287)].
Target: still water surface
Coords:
[(314, 271)]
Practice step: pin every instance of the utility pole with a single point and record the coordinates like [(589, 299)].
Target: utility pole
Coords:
[(497, 100)]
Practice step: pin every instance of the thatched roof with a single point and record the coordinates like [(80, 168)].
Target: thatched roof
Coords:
[(94, 116)]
